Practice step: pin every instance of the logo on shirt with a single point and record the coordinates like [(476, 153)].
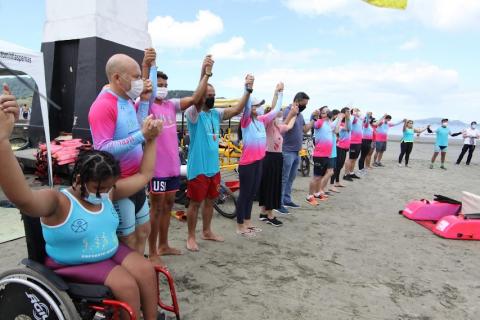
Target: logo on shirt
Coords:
[(79, 225)]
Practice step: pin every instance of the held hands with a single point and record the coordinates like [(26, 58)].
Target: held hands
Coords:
[(8, 102), (207, 65), (279, 88), (149, 57), (293, 110), (249, 80), (147, 90), (151, 128)]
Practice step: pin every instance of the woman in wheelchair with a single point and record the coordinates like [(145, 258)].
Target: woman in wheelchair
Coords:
[(79, 223)]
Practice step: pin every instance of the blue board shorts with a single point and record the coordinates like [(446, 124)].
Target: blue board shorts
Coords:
[(132, 211)]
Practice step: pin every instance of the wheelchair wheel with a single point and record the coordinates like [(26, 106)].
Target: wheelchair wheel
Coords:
[(26, 294)]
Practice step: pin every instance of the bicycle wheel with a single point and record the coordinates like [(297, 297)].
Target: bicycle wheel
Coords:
[(226, 203), (305, 166), (19, 143)]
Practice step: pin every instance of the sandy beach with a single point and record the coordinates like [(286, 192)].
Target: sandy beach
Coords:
[(353, 257)]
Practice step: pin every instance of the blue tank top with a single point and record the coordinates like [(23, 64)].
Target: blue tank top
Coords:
[(85, 236), (408, 135)]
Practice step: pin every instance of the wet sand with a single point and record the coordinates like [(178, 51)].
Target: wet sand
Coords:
[(353, 257)]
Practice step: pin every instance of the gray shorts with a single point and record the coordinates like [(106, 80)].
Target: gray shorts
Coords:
[(381, 146)]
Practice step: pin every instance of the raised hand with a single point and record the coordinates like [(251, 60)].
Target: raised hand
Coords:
[(151, 128), (249, 80), (149, 57), (316, 113), (294, 110), (280, 86), (8, 102), (147, 90)]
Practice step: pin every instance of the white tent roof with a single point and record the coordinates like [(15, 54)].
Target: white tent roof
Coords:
[(17, 58)]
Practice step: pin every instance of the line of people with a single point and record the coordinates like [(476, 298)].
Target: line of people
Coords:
[(96, 230)]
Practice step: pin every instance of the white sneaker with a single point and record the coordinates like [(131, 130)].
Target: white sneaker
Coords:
[(400, 165)]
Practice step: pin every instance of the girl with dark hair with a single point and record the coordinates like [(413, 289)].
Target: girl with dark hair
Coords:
[(406, 144), (79, 223)]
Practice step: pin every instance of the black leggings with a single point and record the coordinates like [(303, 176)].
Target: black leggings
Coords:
[(341, 156), (470, 149), (249, 175), (366, 146), (405, 150)]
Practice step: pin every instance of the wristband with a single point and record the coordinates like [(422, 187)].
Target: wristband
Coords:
[(209, 74), (249, 90)]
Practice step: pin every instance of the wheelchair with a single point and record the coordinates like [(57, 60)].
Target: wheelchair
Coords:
[(34, 292)]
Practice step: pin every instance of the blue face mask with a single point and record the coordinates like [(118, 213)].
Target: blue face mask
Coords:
[(93, 199)]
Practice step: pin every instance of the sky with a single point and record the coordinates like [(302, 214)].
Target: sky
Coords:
[(415, 63)]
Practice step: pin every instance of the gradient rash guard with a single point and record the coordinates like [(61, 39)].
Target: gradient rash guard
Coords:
[(323, 138), (344, 135), (115, 126), (254, 134), (382, 130), (356, 137), (367, 129)]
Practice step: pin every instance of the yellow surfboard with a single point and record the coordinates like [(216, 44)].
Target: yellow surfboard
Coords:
[(394, 4)]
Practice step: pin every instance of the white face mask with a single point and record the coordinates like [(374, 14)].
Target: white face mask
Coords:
[(162, 92), (474, 126), (93, 199), (136, 89)]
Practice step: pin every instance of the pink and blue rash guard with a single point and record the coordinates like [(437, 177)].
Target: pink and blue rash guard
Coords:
[(367, 129), (115, 126), (167, 163), (356, 137), (344, 134), (253, 132), (382, 130), (323, 137)]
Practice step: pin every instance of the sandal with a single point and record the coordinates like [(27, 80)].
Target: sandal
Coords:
[(254, 229), (246, 234)]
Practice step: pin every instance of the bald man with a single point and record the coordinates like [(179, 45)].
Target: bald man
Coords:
[(116, 126)]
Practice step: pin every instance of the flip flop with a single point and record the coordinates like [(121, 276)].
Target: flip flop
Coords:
[(179, 215), (254, 229), (246, 234)]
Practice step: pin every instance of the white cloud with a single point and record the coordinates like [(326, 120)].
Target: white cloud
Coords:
[(450, 15), (235, 49), (411, 44), (166, 32), (413, 89)]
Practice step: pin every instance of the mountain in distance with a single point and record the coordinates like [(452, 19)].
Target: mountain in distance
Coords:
[(454, 125)]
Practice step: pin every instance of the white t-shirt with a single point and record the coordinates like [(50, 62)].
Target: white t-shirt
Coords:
[(470, 136)]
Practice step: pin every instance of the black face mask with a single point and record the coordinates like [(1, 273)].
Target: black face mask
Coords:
[(210, 102), (301, 107), (330, 114)]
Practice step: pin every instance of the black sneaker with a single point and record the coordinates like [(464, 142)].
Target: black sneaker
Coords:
[(274, 222), (347, 177), (263, 217), (354, 176)]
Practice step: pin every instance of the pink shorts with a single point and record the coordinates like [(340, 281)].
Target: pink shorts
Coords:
[(92, 273)]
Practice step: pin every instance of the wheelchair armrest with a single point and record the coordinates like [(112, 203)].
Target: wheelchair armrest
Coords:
[(47, 273), (89, 292)]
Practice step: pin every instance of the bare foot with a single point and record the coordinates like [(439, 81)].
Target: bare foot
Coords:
[(339, 185), (192, 245), (333, 189), (157, 261), (212, 237), (169, 251)]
